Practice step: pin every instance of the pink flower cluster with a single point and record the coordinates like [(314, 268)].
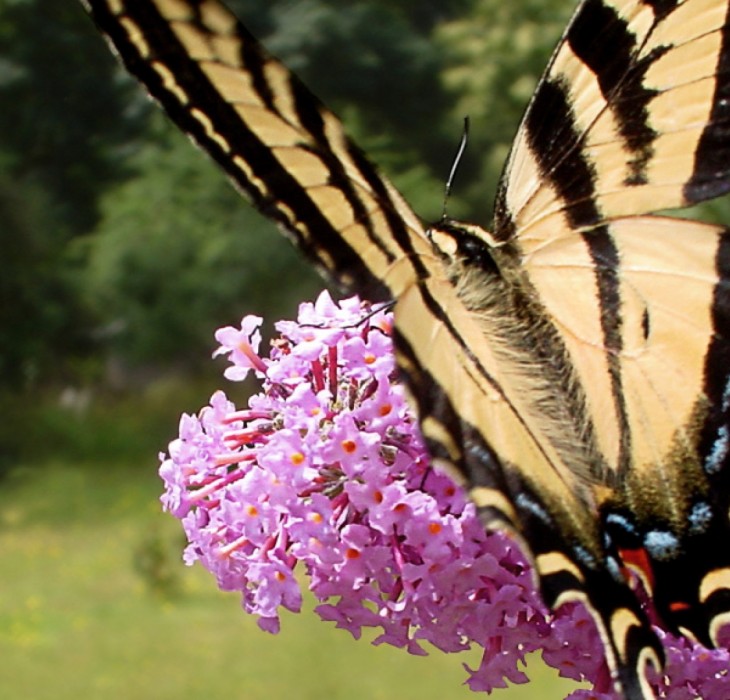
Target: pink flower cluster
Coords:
[(325, 470)]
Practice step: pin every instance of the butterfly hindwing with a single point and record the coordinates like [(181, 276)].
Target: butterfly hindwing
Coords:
[(477, 412)]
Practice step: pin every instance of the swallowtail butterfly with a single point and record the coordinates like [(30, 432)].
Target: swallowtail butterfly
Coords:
[(573, 363)]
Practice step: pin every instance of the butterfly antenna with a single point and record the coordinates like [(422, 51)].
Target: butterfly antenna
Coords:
[(455, 165)]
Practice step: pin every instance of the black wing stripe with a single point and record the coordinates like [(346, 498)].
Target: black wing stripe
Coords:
[(610, 58), (571, 174), (605, 256), (712, 156), (714, 445), (314, 118), (661, 8)]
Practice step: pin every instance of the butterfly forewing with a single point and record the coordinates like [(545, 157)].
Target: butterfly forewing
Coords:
[(279, 144), (629, 118)]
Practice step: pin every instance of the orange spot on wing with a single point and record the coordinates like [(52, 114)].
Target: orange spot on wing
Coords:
[(638, 560)]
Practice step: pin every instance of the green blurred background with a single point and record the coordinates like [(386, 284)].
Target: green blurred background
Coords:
[(122, 250)]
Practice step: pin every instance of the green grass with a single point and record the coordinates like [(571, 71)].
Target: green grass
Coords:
[(124, 427), (78, 620)]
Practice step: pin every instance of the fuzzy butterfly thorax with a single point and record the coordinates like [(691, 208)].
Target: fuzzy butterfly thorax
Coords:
[(574, 365)]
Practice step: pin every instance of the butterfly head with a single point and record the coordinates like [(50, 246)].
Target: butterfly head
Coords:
[(462, 245)]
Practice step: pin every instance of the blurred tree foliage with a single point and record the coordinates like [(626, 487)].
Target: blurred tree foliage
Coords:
[(178, 254), (118, 238), (60, 126), (40, 317), (494, 57)]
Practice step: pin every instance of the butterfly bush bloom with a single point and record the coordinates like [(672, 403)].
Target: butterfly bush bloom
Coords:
[(325, 472)]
